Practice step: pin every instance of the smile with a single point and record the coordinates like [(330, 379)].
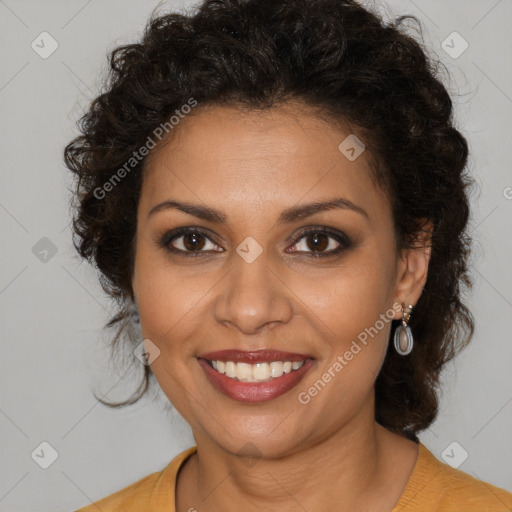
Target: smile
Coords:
[(257, 376)]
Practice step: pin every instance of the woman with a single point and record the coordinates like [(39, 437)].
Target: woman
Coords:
[(277, 188)]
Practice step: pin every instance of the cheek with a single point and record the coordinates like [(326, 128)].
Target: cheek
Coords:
[(167, 301), (168, 308), (171, 310), (352, 298), (353, 326), (352, 312)]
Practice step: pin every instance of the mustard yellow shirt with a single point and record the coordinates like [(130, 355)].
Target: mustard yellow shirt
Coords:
[(432, 487)]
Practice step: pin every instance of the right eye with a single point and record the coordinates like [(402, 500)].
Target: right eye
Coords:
[(187, 241)]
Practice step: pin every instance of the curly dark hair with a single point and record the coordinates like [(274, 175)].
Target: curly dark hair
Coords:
[(353, 68)]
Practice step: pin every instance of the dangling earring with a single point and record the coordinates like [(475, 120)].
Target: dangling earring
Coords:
[(403, 339)]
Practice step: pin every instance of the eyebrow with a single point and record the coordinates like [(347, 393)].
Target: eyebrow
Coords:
[(289, 215)]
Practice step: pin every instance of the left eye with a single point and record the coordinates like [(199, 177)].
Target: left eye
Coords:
[(319, 243)]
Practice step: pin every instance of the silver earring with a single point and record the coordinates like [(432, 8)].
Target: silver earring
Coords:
[(403, 339)]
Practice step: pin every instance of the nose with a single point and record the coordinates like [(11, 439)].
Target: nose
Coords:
[(253, 297)]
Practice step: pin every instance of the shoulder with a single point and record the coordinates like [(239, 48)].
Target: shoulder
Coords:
[(127, 498), (436, 486), (147, 493)]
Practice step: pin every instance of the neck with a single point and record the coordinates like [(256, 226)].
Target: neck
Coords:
[(348, 471)]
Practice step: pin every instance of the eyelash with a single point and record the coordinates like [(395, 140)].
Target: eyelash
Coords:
[(341, 238)]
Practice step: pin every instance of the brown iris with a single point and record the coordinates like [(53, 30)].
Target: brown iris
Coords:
[(320, 242), (193, 241)]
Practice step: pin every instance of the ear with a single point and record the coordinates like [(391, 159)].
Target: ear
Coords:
[(413, 268)]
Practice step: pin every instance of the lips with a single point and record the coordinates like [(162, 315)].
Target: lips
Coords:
[(253, 392)]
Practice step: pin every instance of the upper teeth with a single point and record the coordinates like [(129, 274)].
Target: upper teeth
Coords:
[(258, 372)]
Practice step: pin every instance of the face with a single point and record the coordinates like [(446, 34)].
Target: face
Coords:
[(262, 274)]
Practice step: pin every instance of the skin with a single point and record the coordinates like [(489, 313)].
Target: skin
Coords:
[(328, 454)]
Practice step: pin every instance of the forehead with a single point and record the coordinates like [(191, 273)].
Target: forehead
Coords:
[(250, 159)]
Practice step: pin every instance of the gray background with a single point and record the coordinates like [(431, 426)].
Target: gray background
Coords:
[(53, 350)]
